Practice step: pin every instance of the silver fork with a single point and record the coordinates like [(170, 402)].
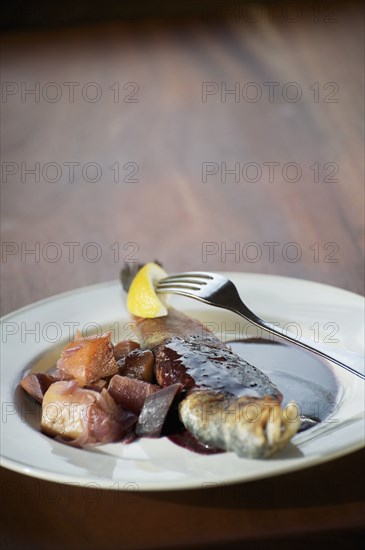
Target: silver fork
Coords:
[(219, 291)]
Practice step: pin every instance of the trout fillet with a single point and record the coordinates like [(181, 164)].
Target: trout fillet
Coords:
[(228, 404)]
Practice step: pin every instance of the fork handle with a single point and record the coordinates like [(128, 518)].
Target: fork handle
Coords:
[(349, 360)]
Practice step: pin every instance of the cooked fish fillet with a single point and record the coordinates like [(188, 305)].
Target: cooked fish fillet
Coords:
[(229, 404)]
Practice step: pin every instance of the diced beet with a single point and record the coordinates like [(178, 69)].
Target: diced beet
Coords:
[(127, 421), (121, 366), (121, 349), (155, 410), (130, 393), (37, 384), (137, 364)]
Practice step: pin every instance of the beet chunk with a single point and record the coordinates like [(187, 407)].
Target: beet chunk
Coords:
[(36, 385), (155, 410), (130, 393), (137, 364), (122, 348)]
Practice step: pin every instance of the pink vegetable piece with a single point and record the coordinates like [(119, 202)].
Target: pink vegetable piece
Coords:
[(130, 393)]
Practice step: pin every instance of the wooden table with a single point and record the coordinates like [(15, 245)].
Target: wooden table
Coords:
[(124, 151)]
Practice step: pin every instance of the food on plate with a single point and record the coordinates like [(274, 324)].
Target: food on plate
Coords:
[(155, 410), (137, 364), (130, 393), (228, 403), (178, 380), (121, 349), (82, 416), (37, 384), (88, 359)]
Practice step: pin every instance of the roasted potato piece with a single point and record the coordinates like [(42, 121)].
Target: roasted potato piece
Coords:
[(88, 359)]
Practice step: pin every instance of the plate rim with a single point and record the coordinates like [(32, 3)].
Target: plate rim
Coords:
[(108, 485)]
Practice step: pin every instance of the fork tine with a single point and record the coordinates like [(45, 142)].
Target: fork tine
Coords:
[(190, 283), (188, 280), (191, 274), (176, 285)]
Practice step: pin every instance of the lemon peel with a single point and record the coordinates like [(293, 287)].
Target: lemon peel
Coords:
[(142, 299)]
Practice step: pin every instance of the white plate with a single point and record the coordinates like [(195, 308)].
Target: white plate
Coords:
[(33, 336)]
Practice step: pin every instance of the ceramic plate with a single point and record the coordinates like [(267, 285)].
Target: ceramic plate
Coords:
[(32, 338)]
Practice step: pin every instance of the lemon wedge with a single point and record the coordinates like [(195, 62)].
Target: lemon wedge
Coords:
[(142, 299)]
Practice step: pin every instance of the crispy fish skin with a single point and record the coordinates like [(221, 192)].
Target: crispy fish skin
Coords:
[(154, 332), (229, 404), (250, 427)]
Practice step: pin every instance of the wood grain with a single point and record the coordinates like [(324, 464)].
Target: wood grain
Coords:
[(169, 133), (170, 213)]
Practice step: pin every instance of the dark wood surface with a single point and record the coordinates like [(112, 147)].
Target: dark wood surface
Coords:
[(169, 213)]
